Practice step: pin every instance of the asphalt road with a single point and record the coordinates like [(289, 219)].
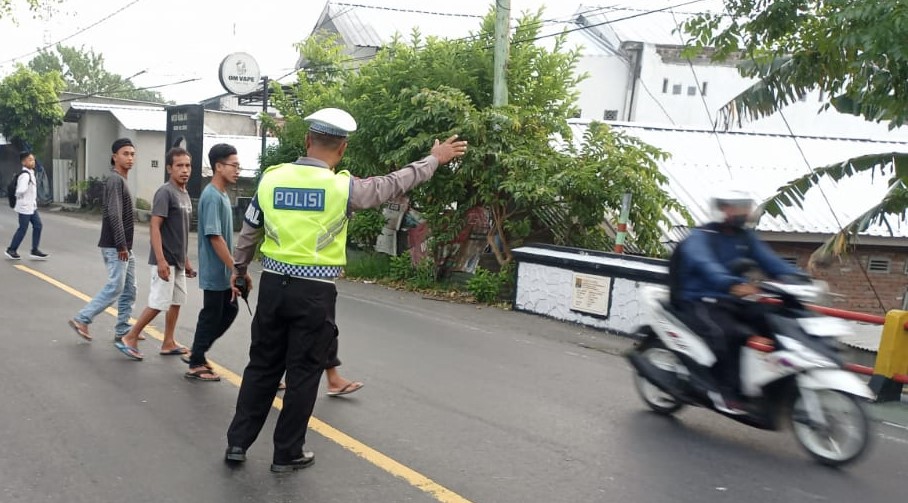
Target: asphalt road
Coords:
[(461, 404)]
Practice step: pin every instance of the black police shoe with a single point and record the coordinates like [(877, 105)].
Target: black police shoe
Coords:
[(299, 463), (235, 455)]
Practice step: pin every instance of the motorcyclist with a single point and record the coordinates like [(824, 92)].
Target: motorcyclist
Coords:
[(707, 286)]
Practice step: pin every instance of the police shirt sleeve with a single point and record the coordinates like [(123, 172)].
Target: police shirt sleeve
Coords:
[(374, 191), (250, 236)]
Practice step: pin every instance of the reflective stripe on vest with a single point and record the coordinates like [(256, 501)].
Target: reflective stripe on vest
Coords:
[(305, 213)]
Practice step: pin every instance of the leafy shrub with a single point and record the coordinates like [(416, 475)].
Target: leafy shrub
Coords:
[(488, 287), (401, 267), (364, 228), (142, 204)]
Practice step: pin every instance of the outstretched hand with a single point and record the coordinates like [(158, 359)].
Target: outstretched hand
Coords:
[(450, 149)]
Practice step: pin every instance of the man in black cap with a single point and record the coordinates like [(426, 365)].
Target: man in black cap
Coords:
[(300, 210), (117, 226)]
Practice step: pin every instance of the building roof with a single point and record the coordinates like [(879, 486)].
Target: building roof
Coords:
[(765, 162), (132, 117), (640, 21), (376, 25)]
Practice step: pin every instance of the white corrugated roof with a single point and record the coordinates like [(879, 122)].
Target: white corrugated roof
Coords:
[(135, 118), (376, 25), (765, 162)]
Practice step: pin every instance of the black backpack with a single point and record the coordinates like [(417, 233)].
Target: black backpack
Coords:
[(11, 189)]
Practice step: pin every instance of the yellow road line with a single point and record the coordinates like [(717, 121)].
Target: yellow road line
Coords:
[(412, 477)]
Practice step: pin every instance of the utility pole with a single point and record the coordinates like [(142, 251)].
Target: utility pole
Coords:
[(502, 49), (264, 113)]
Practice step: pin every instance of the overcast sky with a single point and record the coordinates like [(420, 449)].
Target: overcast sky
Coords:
[(173, 40)]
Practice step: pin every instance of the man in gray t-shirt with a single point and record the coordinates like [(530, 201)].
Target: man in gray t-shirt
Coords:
[(169, 260), (173, 205)]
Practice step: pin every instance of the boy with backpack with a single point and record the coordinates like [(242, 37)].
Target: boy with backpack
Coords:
[(23, 196)]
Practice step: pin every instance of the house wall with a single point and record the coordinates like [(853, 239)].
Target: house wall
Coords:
[(148, 172), (230, 123), (605, 87), (847, 279)]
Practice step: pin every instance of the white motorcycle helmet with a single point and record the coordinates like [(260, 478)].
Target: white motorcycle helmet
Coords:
[(740, 200)]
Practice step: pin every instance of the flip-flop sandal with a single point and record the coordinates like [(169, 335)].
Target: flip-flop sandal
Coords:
[(178, 351), (185, 359), (129, 351), (81, 332), (200, 375), (346, 390)]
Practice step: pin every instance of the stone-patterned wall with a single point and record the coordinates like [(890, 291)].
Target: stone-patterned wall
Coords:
[(546, 289)]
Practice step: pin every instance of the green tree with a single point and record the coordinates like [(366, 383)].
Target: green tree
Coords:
[(83, 71), (7, 6), (414, 92), (850, 50), (30, 107)]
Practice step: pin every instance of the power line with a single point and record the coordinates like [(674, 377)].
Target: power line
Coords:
[(106, 92), (831, 209), (700, 90), (83, 30), (612, 21)]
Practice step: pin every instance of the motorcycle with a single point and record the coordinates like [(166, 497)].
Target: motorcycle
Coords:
[(792, 376)]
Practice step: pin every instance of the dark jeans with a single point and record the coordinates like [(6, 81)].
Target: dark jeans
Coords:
[(293, 330), (725, 327), (24, 220), (216, 316)]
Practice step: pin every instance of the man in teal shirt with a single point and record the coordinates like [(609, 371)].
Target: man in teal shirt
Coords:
[(219, 307)]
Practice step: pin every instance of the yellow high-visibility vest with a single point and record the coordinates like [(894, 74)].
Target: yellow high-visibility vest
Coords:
[(305, 213)]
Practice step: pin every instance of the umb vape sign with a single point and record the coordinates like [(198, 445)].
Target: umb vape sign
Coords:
[(239, 74)]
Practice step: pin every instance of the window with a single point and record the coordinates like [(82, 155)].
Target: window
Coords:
[(154, 163), (610, 115), (791, 260), (664, 86), (676, 89), (703, 88), (878, 264), (691, 91)]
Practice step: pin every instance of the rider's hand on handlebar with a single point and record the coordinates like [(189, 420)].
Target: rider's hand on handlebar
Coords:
[(744, 290)]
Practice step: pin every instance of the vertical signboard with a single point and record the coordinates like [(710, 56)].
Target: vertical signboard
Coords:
[(185, 128)]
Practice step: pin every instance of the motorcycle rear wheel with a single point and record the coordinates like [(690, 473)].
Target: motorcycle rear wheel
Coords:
[(846, 436), (659, 401)]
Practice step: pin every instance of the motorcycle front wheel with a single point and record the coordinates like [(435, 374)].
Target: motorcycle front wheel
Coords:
[(844, 437), (657, 400)]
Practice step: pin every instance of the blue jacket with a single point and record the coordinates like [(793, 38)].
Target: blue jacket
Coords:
[(707, 254)]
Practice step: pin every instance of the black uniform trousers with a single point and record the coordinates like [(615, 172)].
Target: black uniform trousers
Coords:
[(293, 330)]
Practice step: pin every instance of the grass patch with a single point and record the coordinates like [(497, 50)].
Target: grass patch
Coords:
[(367, 265)]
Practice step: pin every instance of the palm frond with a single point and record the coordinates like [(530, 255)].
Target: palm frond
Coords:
[(893, 204), (793, 193), (774, 91)]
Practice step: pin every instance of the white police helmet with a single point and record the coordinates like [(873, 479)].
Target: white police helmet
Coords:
[(731, 196), (332, 122)]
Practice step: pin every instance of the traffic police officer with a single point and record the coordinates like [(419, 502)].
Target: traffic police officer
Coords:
[(299, 215)]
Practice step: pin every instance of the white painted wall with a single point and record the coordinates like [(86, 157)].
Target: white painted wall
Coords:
[(547, 290), (723, 83), (145, 179), (605, 87)]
